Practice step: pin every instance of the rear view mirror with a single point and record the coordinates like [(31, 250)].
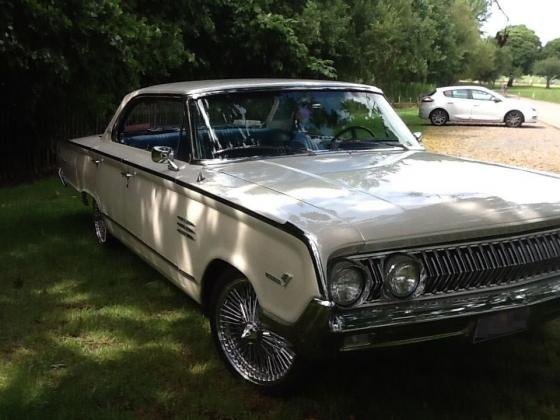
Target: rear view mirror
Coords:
[(497, 100), (164, 154)]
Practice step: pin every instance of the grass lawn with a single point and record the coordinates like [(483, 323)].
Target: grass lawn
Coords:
[(537, 92), (90, 332), (410, 116)]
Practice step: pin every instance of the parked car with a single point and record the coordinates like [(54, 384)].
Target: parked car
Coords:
[(474, 104), (307, 220)]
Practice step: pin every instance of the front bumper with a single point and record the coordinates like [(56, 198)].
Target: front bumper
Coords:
[(323, 329)]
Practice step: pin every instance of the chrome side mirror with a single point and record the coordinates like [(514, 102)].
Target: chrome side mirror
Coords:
[(164, 154), (419, 136)]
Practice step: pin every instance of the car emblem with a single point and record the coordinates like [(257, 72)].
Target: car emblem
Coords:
[(282, 281)]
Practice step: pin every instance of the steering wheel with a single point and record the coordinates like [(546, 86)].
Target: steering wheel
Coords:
[(352, 129)]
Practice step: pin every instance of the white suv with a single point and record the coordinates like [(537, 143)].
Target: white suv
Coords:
[(474, 104)]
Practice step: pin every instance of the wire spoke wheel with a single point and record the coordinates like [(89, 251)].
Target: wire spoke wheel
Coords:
[(99, 225), (258, 355)]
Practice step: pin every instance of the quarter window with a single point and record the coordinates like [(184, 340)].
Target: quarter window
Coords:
[(156, 122)]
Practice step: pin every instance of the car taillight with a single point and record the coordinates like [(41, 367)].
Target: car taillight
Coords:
[(427, 99)]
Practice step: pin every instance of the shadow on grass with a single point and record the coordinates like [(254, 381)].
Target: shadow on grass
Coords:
[(89, 332)]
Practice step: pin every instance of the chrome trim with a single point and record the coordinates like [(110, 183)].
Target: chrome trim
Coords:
[(61, 177), (439, 308), (320, 268)]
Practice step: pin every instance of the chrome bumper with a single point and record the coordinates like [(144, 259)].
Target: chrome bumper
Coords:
[(324, 330), (440, 308)]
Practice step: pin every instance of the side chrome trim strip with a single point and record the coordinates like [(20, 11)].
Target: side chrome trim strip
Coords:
[(287, 227), (166, 260)]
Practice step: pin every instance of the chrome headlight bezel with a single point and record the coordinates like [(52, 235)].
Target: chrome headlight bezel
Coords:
[(335, 270), (391, 266)]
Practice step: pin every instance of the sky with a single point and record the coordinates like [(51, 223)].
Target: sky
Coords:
[(542, 16)]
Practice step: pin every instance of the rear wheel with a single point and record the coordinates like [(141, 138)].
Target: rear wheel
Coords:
[(250, 351), (439, 117), (100, 226), (513, 119)]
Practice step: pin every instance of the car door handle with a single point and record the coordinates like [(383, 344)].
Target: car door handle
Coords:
[(476, 105), (96, 162), (127, 175), (450, 103)]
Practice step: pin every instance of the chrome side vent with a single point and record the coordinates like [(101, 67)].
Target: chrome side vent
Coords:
[(186, 228)]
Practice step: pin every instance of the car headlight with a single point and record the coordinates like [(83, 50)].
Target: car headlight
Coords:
[(347, 283), (402, 275)]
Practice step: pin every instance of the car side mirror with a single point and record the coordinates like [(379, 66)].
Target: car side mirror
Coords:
[(164, 154), (419, 136), (497, 100)]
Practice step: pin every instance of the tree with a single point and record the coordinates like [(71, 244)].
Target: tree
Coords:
[(548, 68), (551, 49), (524, 46)]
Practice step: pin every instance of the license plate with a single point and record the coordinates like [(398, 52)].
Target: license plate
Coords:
[(500, 324)]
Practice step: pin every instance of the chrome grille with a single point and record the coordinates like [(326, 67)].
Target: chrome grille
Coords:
[(479, 265)]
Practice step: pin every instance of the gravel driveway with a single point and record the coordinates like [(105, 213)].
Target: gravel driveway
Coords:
[(532, 146)]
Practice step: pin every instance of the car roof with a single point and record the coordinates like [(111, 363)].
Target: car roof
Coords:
[(464, 87), (200, 87)]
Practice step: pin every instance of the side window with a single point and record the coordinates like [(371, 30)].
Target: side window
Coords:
[(480, 95), (461, 94), (448, 93), (156, 122)]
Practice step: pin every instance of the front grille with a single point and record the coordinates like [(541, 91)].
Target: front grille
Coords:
[(472, 266)]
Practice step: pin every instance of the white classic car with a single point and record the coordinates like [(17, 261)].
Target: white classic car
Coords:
[(307, 220)]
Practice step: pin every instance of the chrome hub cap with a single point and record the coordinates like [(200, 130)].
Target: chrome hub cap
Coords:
[(259, 355)]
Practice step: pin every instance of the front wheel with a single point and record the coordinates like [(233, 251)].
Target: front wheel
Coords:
[(250, 351), (439, 117), (514, 119)]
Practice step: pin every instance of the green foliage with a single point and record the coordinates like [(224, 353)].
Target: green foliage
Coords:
[(551, 49), (68, 57), (549, 68), (523, 45)]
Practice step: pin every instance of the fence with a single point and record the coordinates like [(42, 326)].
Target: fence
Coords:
[(28, 148)]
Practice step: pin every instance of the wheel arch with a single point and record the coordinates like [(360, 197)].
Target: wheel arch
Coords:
[(213, 271)]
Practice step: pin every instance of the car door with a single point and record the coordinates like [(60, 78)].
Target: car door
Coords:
[(110, 179), (484, 108), (458, 104), (159, 212)]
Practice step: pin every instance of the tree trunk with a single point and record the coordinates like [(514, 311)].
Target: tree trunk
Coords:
[(548, 82), (510, 81)]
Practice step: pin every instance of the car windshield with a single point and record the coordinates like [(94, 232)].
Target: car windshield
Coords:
[(275, 123)]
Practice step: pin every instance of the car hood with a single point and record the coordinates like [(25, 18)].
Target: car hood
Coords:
[(388, 199)]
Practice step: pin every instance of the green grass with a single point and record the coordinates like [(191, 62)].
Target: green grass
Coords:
[(410, 117), (537, 92), (89, 332)]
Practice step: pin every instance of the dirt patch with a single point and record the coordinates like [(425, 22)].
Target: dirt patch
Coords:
[(531, 146)]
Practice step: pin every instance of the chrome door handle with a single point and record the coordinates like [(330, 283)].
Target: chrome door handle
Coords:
[(450, 103), (127, 175), (96, 162)]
